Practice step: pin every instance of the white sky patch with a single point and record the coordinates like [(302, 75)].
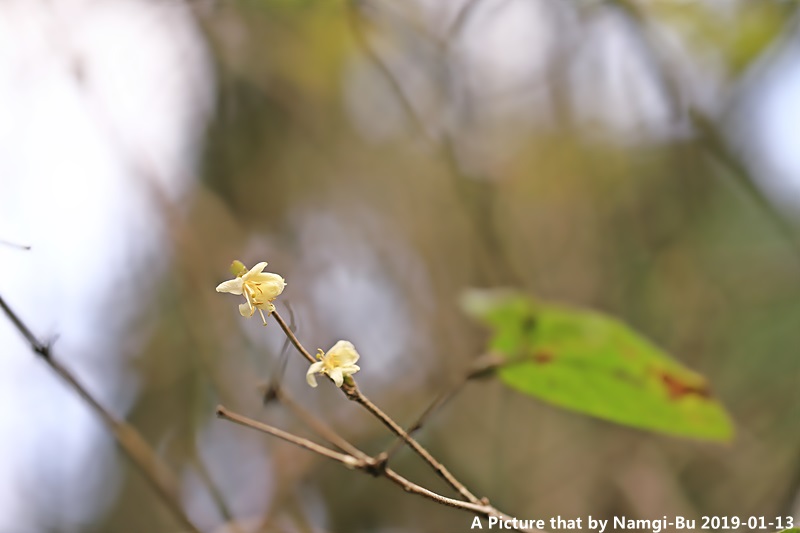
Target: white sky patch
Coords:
[(613, 84), (507, 44), (88, 91), (355, 295), (766, 126), (351, 292)]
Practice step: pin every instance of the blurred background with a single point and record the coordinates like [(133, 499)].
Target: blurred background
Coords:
[(637, 157)]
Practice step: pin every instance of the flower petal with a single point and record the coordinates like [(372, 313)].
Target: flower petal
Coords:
[(337, 376), (350, 369), (311, 378), (344, 352), (267, 277), (232, 286), (256, 270), (271, 289), (246, 310)]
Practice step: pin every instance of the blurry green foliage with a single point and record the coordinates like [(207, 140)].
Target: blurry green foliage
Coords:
[(594, 364)]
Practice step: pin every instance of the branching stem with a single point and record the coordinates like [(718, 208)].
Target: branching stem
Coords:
[(128, 438)]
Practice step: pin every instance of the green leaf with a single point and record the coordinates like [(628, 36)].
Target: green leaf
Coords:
[(790, 530), (591, 363)]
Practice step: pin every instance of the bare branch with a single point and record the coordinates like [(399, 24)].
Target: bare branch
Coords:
[(318, 426), (347, 460), (128, 438), (357, 24), (293, 338), (370, 465), (15, 245), (476, 194), (479, 368), (713, 142), (271, 390), (355, 394)]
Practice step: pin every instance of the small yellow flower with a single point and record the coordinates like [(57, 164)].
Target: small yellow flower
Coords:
[(338, 363), (259, 289)]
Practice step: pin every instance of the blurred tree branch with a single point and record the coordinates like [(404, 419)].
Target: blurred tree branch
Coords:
[(475, 191), (350, 389), (127, 437), (357, 459), (479, 368), (708, 132), (15, 245)]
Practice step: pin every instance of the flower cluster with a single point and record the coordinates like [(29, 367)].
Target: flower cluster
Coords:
[(258, 287)]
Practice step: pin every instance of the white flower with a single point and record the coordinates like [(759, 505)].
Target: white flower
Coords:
[(338, 363), (259, 289)]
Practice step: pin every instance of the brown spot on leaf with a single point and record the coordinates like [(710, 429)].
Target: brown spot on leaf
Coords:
[(677, 388), (543, 357)]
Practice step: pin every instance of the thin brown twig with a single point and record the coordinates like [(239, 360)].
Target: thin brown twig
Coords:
[(409, 486), (710, 138), (271, 389), (327, 433), (216, 494), (318, 426), (350, 389), (347, 460), (482, 366), (15, 245), (127, 437), (476, 194), (441, 399), (292, 337), (356, 20), (371, 465), (479, 368), (357, 396)]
